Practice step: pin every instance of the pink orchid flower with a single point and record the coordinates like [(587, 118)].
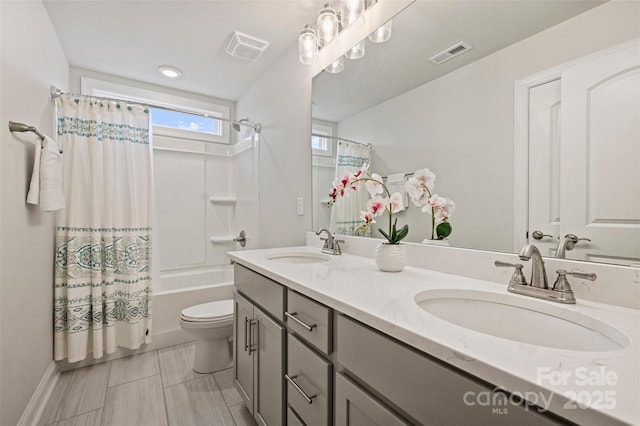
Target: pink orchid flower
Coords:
[(374, 186), (376, 205), (396, 203)]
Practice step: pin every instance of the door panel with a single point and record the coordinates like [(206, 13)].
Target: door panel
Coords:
[(243, 361), (269, 367), (601, 153), (544, 164)]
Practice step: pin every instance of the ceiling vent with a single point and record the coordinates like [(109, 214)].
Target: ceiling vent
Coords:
[(246, 47), (452, 52)]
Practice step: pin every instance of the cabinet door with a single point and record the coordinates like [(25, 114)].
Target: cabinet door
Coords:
[(268, 353), (242, 359), (309, 390), (355, 407)]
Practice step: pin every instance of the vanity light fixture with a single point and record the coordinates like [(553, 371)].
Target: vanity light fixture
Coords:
[(307, 45), (352, 13), (356, 52), (169, 71), (336, 66), (327, 25), (382, 34)]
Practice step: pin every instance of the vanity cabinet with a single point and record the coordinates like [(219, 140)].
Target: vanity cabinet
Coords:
[(258, 349), (427, 390), (299, 362), (355, 407), (309, 371)]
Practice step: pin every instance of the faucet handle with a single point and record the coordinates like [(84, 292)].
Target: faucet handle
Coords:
[(517, 277), (584, 275), (337, 250)]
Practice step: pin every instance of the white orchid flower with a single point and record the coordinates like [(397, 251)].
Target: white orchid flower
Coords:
[(396, 203), (374, 186)]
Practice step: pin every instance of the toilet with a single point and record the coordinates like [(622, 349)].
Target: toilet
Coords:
[(212, 326)]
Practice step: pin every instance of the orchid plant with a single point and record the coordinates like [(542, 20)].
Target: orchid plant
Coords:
[(381, 200), (420, 188)]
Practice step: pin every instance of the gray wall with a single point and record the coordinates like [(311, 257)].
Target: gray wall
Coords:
[(32, 60), (281, 101)]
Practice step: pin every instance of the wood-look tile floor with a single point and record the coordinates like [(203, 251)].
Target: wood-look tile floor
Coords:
[(156, 388)]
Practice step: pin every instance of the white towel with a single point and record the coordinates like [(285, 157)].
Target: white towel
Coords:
[(395, 183), (46, 181)]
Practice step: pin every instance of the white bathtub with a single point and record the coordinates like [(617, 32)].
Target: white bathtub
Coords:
[(178, 290)]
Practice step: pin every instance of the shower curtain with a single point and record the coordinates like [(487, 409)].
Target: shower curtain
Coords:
[(103, 236), (345, 214)]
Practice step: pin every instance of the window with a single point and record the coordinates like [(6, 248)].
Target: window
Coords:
[(322, 145), (185, 121), (166, 122)]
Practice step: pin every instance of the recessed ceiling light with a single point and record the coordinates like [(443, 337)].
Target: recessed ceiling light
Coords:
[(168, 71)]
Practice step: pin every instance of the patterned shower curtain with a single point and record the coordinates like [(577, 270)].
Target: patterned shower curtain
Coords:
[(103, 236), (345, 214)]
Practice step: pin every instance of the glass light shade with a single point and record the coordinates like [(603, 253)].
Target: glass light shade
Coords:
[(356, 52), (307, 45), (327, 25), (352, 13), (382, 34), (336, 66)]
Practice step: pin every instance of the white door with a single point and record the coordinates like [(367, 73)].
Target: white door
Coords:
[(544, 166), (600, 151)]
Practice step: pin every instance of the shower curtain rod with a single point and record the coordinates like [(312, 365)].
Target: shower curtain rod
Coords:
[(341, 139), (55, 93)]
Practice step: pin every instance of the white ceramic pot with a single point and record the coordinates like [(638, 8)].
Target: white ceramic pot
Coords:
[(444, 243), (391, 257)]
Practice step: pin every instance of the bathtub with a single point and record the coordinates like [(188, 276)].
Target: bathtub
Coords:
[(178, 290)]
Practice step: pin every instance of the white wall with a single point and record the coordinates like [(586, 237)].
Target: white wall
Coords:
[(281, 101), (32, 60), (461, 125)]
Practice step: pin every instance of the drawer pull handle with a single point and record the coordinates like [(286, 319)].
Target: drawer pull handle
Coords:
[(251, 337), (299, 321), (299, 389), (246, 334)]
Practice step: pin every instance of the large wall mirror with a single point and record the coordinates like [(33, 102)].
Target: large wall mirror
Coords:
[(560, 75)]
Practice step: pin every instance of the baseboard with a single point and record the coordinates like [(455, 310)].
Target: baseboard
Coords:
[(33, 412)]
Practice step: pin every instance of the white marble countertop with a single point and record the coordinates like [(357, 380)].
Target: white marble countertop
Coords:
[(607, 384)]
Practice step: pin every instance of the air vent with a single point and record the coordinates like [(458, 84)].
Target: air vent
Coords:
[(453, 51), (246, 47)]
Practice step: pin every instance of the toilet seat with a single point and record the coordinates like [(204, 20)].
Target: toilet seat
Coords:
[(212, 312)]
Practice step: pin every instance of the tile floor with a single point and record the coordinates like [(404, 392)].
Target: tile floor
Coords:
[(156, 388)]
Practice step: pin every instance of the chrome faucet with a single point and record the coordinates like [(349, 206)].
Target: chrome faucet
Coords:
[(538, 273), (539, 287), (331, 245)]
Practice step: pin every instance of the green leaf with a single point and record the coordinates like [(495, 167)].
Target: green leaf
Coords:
[(402, 233), (443, 230), (385, 235)]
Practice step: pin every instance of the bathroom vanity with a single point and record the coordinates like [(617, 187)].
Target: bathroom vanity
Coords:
[(321, 340)]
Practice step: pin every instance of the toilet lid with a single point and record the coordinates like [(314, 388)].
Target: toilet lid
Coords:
[(212, 311)]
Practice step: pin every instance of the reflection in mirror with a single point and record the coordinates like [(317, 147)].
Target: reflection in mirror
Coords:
[(458, 119)]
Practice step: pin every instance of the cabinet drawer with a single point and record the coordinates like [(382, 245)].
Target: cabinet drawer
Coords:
[(309, 319), (309, 376), (355, 407), (293, 419), (426, 389), (268, 294)]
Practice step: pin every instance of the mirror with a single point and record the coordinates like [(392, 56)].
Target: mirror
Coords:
[(458, 118)]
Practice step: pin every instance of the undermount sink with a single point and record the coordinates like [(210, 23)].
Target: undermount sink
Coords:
[(523, 320), (299, 257)]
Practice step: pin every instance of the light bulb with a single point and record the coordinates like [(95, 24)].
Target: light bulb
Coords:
[(327, 25), (336, 66), (352, 13), (307, 45), (382, 34), (356, 52)]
